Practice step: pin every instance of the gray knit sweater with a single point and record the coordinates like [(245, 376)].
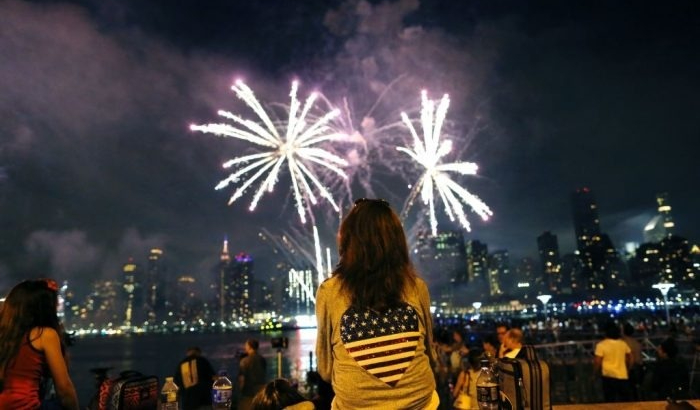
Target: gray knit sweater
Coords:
[(375, 360)]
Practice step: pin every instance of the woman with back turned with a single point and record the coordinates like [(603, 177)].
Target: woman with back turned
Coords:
[(374, 323), (31, 347)]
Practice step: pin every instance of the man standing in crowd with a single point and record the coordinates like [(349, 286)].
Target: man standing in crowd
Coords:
[(194, 375), (636, 374), (612, 359), (513, 342), (251, 377)]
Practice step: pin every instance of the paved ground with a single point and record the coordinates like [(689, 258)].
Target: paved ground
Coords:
[(644, 405)]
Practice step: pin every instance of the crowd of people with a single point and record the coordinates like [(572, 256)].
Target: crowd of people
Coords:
[(376, 346)]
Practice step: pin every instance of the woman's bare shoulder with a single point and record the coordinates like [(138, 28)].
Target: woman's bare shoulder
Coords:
[(43, 333)]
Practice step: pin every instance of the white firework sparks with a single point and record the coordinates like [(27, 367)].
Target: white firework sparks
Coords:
[(297, 250), (295, 142), (429, 152)]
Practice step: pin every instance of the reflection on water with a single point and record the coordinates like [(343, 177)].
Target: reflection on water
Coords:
[(160, 354)]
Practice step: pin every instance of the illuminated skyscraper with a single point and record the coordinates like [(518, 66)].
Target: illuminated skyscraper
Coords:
[(524, 273), (103, 304), (442, 260), (550, 264), (235, 286), (601, 266), (478, 268), (499, 278), (477, 261), (241, 283), (131, 289), (661, 225), (586, 221), (224, 262), (154, 286)]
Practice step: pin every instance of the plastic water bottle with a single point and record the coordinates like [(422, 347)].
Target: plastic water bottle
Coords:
[(169, 395), (487, 388), (221, 392)]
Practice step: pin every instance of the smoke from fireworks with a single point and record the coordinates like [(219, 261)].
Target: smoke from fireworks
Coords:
[(296, 142), (428, 153)]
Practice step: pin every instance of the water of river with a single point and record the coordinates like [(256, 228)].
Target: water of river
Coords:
[(160, 354)]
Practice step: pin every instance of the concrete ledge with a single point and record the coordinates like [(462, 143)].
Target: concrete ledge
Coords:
[(640, 405)]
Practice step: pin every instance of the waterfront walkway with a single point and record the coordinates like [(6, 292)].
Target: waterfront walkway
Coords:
[(642, 405)]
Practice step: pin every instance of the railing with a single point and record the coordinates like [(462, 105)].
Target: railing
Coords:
[(571, 367)]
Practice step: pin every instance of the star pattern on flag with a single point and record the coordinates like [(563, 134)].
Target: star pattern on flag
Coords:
[(383, 343)]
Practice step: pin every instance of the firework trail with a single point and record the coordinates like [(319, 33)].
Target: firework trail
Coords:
[(428, 153), (297, 249), (295, 142)]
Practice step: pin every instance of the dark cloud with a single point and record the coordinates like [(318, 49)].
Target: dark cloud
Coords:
[(70, 254)]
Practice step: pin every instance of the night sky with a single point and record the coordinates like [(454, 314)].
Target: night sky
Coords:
[(97, 162)]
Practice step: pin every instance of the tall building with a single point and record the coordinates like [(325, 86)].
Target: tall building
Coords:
[(478, 268), (524, 274), (550, 263), (241, 287), (222, 284), (154, 286), (602, 269), (571, 267), (661, 225), (586, 221), (499, 278), (132, 292), (671, 260), (190, 306), (234, 286), (647, 265), (103, 305), (442, 261)]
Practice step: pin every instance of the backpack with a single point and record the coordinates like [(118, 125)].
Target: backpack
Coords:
[(131, 390)]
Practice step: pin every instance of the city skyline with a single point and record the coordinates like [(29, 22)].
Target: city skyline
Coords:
[(97, 162)]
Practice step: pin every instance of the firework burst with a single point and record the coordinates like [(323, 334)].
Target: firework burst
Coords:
[(295, 142), (428, 153)]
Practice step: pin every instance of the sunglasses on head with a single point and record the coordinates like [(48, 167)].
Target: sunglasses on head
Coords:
[(378, 201)]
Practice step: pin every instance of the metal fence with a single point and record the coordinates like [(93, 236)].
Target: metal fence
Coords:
[(571, 368)]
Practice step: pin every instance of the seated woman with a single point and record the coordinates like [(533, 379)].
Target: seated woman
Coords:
[(278, 395), (375, 329), (31, 347), (465, 389)]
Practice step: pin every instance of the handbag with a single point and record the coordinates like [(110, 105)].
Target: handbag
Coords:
[(463, 400)]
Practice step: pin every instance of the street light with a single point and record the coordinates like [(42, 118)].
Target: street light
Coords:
[(544, 299), (664, 287), (477, 306)]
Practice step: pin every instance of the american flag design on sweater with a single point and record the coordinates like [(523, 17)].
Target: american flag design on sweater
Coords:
[(382, 343)]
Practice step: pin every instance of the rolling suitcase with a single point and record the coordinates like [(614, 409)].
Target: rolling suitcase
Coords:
[(524, 384)]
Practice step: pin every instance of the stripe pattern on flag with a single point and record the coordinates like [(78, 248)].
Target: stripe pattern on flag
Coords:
[(382, 343)]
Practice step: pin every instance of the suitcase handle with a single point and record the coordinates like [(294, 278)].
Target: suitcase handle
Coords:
[(129, 373), (525, 402)]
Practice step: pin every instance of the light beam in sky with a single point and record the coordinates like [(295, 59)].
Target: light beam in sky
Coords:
[(296, 142), (428, 153)]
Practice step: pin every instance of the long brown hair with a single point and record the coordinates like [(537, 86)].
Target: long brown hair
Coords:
[(374, 268), (30, 304)]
